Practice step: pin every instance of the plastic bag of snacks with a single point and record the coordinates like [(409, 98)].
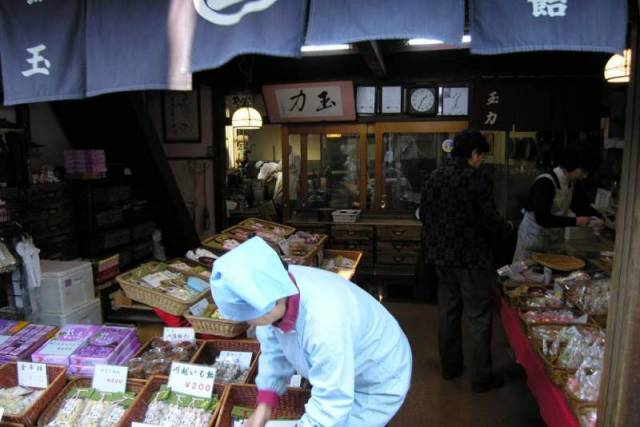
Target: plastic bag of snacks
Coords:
[(171, 409), (157, 360), (585, 383), (87, 407), (16, 400)]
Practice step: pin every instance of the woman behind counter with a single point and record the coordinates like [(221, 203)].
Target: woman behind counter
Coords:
[(557, 200)]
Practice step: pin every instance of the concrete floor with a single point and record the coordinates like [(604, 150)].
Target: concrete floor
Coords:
[(433, 401)]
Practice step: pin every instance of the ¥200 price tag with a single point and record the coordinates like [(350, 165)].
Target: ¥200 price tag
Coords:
[(194, 380), (32, 375), (110, 379), (179, 334)]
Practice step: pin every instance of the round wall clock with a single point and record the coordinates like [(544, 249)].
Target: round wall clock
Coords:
[(422, 101)]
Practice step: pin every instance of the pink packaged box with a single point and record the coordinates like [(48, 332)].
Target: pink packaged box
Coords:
[(58, 349), (24, 342), (86, 371), (104, 346)]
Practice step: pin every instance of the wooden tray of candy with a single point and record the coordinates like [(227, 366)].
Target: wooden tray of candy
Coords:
[(576, 404), (527, 326), (557, 374), (599, 318), (204, 275), (516, 295), (9, 378), (313, 255), (290, 405), (257, 224), (210, 350), (153, 297), (133, 386), (559, 262), (147, 346), (215, 243), (355, 256), (138, 410)]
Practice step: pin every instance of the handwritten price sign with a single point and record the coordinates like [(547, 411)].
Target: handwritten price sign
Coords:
[(194, 380), (179, 334), (32, 375), (110, 379)]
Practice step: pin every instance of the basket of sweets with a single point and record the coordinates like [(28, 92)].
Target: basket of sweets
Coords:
[(155, 285), (588, 416), (158, 405), (303, 248), (240, 402), (228, 359), (79, 401), (582, 388), (564, 316), (220, 243), (563, 348), (593, 299), (24, 405), (210, 322), (256, 224), (156, 355), (342, 262), (189, 268)]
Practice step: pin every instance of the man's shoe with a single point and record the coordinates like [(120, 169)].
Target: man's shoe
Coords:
[(494, 383)]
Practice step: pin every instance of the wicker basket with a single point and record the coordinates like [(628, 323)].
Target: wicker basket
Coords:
[(576, 404), (154, 298), (291, 404), (138, 410), (8, 424), (355, 256), (267, 225), (9, 378), (218, 327), (313, 256), (216, 243), (599, 319), (515, 301), (583, 411), (147, 346), (134, 386), (527, 326), (208, 353), (557, 374)]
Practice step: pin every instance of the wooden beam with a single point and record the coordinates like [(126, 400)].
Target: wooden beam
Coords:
[(620, 386), (219, 155), (372, 55)]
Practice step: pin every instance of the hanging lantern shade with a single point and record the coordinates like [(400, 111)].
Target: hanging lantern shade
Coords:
[(246, 118), (618, 68)]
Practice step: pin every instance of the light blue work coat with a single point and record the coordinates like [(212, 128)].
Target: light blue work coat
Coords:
[(347, 345)]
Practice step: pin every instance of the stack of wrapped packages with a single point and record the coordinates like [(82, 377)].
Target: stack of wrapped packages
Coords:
[(24, 342), (109, 345), (59, 349)]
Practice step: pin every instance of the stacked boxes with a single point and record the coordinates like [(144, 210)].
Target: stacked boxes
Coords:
[(59, 349), (24, 342), (85, 164)]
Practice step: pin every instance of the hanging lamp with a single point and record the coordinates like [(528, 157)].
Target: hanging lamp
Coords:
[(618, 68), (246, 118)]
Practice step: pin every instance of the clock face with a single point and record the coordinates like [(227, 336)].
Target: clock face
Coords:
[(422, 100)]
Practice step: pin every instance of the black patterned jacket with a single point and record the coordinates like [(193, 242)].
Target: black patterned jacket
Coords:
[(461, 221)]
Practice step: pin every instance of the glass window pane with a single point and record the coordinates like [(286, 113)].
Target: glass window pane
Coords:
[(333, 166), (371, 169), (408, 160)]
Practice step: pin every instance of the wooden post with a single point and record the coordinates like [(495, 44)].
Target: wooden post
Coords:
[(219, 154), (286, 205), (620, 386), (363, 167), (304, 168)]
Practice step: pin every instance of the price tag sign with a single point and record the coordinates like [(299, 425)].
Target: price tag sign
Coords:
[(110, 379), (60, 348), (240, 358), (296, 381), (179, 334), (194, 380), (32, 375), (198, 308), (4, 338)]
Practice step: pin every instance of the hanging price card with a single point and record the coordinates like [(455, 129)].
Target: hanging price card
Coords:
[(110, 379), (32, 375), (179, 334), (296, 381), (194, 380)]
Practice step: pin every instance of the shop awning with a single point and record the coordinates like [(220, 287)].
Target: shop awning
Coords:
[(54, 50)]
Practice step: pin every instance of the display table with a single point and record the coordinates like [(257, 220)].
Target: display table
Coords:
[(554, 409)]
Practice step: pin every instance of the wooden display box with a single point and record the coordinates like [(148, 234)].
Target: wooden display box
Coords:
[(210, 350)]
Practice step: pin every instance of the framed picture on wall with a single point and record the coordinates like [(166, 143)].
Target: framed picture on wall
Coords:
[(181, 116)]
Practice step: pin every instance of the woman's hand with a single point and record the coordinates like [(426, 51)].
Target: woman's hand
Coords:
[(259, 417), (582, 221)]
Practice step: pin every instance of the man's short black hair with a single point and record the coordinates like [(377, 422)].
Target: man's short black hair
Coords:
[(467, 141), (575, 157)]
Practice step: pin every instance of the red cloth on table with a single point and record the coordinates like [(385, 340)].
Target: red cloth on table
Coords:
[(554, 409)]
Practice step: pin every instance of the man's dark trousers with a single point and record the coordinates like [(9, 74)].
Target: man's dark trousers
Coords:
[(471, 291)]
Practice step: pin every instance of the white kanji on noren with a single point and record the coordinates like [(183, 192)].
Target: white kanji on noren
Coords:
[(491, 118), (493, 98), (35, 61), (551, 8), (30, 2)]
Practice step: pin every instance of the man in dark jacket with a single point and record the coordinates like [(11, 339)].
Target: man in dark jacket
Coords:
[(461, 223)]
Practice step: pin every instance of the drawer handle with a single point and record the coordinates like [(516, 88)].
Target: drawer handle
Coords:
[(351, 233), (398, 258), (398, 246), (398, 232), (53, 211)]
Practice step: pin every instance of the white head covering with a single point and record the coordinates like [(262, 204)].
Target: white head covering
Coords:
[(248, 281)]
